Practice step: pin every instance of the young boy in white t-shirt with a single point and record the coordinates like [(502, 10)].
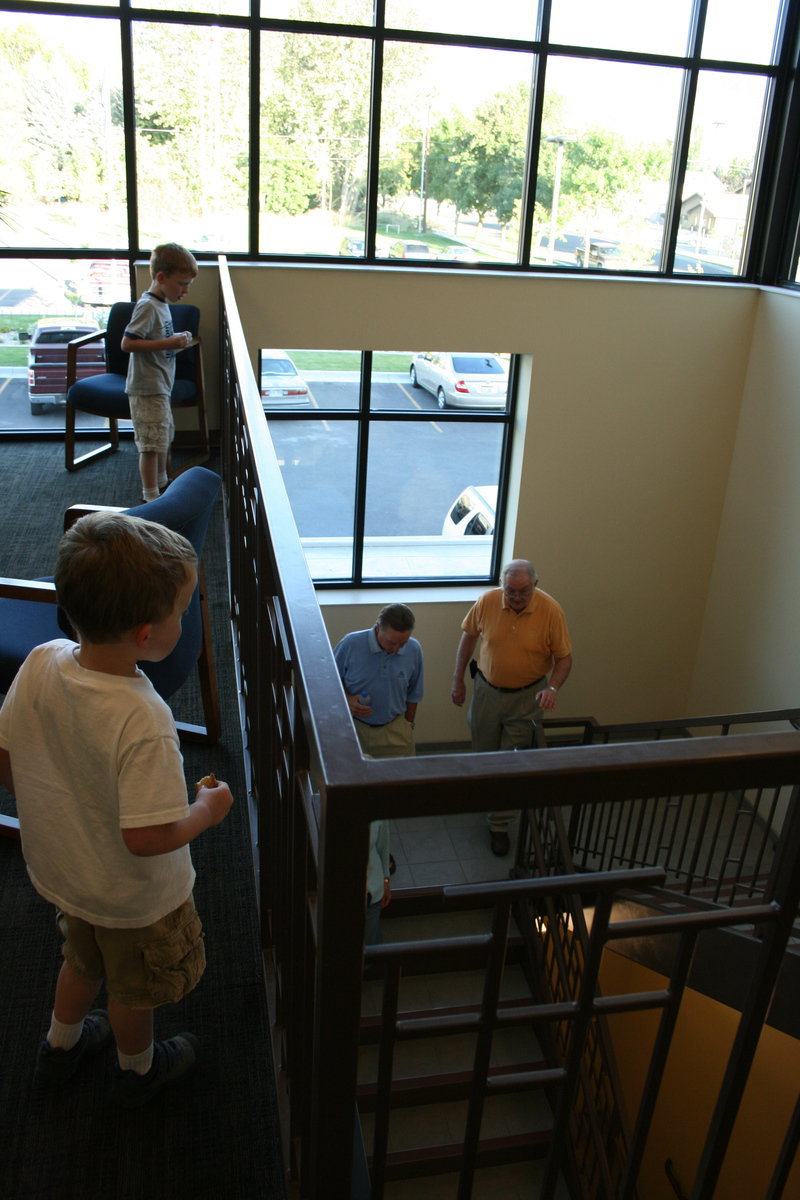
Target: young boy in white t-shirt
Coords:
[(91, 752)]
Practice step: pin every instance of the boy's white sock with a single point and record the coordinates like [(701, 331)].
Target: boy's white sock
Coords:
[(150, 494), (163, 480), (140, 1063), (63, 1037)]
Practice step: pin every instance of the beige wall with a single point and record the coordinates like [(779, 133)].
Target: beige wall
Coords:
[(698, 1056), (749, 651), (628, 430)]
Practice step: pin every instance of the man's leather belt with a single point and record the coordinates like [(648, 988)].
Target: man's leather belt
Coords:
[(524, 688)]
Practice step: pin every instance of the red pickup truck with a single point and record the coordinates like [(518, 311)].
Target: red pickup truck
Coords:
[(47, 359)]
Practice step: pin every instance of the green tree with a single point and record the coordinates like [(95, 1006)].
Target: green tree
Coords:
[(192, 143), (599, 169), (315, 98), (288, 185), (489, 156), (395, 174), (736, 175), (58, 142), (447, 144)]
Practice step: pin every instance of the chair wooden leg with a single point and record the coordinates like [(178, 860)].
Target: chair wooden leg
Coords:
[(69, 437), (204, 440), (110, 447), (202, 416), (209, 733)]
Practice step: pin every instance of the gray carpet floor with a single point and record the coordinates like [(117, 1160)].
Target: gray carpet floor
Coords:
[(216, 1133)]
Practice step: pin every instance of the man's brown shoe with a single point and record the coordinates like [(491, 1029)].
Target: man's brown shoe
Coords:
[(500, 842)]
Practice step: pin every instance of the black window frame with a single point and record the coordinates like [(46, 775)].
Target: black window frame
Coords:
[(365, 417), (776, 215), (771, 252)]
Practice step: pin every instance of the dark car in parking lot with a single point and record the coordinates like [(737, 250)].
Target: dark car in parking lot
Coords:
[(47, 359), (600, 252)]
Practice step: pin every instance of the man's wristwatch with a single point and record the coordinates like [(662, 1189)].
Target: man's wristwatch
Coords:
[(551, 688)]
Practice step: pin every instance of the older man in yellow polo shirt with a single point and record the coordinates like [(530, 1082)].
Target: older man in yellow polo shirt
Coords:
[(524, 659)]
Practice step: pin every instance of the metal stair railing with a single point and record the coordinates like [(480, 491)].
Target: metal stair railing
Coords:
[(549, 852), (597, 1120), (612, 1171), (587, 731)]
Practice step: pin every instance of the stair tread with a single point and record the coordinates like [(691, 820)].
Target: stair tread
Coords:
[(419, 1127)]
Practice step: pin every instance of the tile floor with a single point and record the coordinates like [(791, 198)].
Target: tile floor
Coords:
[(442, 850)]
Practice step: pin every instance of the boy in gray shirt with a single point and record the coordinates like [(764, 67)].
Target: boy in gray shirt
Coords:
[(152, 343)]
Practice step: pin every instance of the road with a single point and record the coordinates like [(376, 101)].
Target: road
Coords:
[(416, 470)]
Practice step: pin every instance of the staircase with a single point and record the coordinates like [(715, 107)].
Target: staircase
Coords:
[(486, 1066), (435, 1007)]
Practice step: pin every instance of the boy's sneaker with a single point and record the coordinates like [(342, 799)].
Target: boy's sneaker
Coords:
[(54, 1065), (171, 1061)]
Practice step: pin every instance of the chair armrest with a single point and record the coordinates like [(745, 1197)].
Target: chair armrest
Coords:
[(76, 511), (41, 590), (72, 353)]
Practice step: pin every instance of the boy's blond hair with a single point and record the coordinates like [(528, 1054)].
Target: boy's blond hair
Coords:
[(115, 572), (170, 258)]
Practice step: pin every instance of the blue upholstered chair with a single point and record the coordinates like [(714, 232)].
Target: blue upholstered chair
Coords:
[(104, 395), (29, 614)]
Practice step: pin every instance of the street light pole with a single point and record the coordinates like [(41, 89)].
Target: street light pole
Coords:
[(422, 222), (560, 139)]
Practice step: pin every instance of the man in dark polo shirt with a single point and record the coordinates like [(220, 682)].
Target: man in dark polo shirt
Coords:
[(524, 659)]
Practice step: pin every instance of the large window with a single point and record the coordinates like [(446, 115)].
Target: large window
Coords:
[(393, 460), (603, 136), (615, 136)]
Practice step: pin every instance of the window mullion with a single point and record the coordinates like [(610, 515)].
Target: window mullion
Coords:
[(129, 130), (362, 463)]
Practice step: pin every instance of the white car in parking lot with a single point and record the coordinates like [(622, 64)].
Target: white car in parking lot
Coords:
[(472, 513), (282, 385), (461, 380)]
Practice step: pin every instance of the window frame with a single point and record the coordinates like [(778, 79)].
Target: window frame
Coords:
[(776, 210), (771, 254), (364, 418)]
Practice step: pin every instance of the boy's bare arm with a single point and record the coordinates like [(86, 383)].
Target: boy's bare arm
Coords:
[(178, 341), (6, 778), (211, 806)]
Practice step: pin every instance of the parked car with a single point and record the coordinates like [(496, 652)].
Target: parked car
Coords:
[(410, 250), (472, 513), (461, 380), (462, 254), (566, 247), (47, 359), (282, 385), (352, 247), (599, 252)]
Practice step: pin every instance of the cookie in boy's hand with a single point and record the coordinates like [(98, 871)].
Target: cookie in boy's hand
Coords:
[(206, 781)]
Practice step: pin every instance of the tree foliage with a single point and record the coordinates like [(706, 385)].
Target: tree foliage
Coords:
[(63, 130)]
